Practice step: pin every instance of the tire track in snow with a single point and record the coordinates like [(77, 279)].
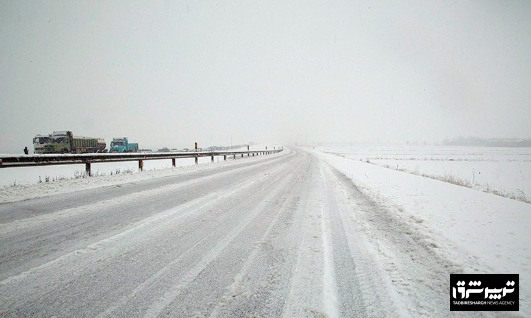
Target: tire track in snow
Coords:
[(343, 268), (68, 230), (373, 287), (414, 278), (313, 290), (264, 290), (235, 287), (107, 244), (169, 296), (330, 294), (166, 270), (106, 248)]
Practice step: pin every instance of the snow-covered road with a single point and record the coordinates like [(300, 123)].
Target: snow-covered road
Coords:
[(286, 235)]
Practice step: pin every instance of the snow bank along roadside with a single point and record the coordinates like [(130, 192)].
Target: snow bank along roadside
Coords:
[(25, 192), (478, 232), (52, 173)]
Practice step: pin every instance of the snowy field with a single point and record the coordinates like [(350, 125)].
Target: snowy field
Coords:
[(476, 231), (502, 171)]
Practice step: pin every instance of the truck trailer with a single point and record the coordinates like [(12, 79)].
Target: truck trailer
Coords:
[(123, 145), (66, 142)]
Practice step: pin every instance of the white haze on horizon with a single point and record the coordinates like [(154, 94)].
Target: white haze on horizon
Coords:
[(170, 73)]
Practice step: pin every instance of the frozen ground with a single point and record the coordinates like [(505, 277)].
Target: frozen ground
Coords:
[(473, 231), (504, 171), (295, 234)]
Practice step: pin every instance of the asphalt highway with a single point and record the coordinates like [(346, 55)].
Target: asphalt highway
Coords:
[(279, 236)]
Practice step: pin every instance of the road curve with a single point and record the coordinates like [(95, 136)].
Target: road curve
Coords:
[(284, 236)]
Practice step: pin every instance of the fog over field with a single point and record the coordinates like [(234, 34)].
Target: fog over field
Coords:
[(170, 73)]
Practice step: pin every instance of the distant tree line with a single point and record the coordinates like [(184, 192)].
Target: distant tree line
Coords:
[(483, 142)]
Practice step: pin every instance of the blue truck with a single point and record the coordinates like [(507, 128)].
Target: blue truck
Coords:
[(123, 145)]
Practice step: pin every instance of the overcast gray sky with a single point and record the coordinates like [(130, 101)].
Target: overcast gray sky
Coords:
[(168, 73)]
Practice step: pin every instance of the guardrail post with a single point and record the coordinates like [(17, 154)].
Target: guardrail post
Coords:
[(141, 165), (173, 162), (87, 168)]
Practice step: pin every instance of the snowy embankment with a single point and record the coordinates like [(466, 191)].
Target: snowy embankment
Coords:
[(66, 178), (477, 232)]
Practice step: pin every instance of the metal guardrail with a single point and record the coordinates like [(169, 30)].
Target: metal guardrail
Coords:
[(88, 159)]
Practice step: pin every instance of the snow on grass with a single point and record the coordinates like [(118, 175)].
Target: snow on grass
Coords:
[(501, 171), (479, 232)]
